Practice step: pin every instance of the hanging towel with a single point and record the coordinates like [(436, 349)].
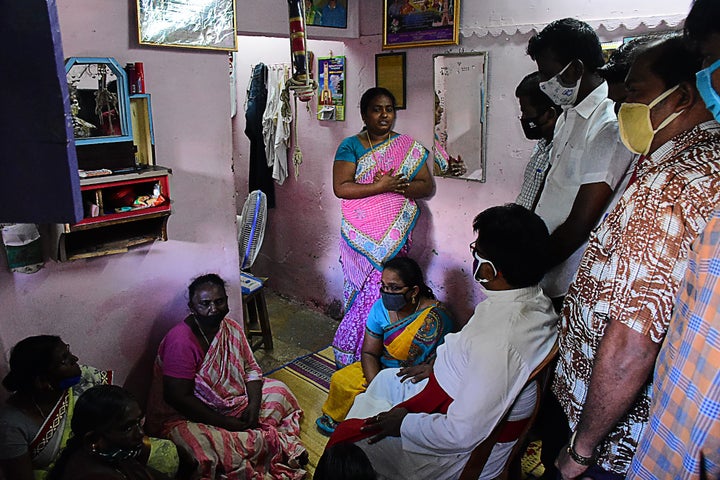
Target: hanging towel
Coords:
[(276, 122)]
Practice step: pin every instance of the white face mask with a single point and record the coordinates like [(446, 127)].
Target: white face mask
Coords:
[(558, 93), (478, 260)]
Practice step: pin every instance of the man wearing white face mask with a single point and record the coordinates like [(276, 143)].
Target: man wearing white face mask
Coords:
[(617, 310), (588, 160), (478, 372)]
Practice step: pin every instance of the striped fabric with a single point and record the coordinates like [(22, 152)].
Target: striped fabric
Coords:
[(682, 440), (228, 365)]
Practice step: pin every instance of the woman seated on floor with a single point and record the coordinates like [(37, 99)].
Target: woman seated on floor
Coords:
[(107, 439), (45, 380), (209, 396), (403, 329)]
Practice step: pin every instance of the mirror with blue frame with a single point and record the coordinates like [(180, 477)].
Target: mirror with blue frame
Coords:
[(99, 100)]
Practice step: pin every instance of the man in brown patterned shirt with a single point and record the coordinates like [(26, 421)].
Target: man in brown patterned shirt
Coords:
[(618, 308)]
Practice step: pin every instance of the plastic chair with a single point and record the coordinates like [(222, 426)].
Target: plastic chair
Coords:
[(481, 453)]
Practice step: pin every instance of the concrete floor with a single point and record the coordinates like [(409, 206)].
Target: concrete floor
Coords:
[(297, 330)]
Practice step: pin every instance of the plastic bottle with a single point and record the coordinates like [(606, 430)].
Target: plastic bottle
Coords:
[(132, 78), (140, 77)]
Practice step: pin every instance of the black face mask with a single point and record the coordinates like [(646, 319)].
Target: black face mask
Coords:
[(210, 321), (531, 128), (393, 301)]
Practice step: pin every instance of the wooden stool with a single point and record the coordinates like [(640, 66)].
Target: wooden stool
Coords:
[(255, 316)]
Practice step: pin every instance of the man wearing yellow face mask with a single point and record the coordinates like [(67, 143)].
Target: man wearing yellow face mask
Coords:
[(617, 310), (682, 440)]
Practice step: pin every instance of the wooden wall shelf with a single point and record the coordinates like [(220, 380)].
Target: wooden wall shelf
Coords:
[(112, 224)]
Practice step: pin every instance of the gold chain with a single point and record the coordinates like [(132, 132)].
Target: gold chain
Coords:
[(372, 147)]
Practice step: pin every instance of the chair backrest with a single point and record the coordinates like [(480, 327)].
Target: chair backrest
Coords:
[(481, 453)]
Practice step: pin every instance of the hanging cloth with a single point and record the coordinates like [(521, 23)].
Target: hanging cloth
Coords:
[(276, 122), (260, 177)]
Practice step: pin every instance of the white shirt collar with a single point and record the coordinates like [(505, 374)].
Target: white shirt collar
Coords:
[(588, 104)]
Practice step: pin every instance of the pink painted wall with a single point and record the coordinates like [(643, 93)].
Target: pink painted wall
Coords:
[(114, 310), (300, 252)]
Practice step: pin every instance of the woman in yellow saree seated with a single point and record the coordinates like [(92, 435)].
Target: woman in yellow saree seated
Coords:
[(45, 380), (403, 329)]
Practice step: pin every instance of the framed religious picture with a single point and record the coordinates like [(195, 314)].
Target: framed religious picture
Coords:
[(326, 13), (419, 23), (390, 74), (209, 24), (331, 88)]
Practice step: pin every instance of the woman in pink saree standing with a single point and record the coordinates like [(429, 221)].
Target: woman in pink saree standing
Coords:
[(378, 174)]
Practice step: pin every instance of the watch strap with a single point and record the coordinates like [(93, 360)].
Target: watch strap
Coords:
[(577, 458)]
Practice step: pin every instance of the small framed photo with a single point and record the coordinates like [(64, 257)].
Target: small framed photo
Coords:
[(390, 74), (420, 23), (326, 13)]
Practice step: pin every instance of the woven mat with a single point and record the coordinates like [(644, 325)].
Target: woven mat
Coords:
[(309, 379), (531, 465)]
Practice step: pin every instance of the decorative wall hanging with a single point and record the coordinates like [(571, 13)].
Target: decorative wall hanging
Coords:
[(331, 88), (419, 23), (208, 24), (390, 74)]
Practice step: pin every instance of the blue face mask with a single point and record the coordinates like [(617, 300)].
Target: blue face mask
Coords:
[(703, 80), (393, 301)]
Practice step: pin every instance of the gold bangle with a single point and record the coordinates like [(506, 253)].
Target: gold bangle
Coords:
[(577, 458)]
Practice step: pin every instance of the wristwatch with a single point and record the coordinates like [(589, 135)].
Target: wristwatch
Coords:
[(577, 458)]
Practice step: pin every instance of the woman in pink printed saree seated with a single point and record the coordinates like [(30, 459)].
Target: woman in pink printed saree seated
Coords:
[(209, 396)]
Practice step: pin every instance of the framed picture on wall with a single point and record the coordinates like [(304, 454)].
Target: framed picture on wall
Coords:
[(326, 13), (331, 88), (390, 74), (608, 48), (419, 23), (209, 24)]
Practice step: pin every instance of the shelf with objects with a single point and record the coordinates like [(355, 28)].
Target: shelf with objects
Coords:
[(126, 196)]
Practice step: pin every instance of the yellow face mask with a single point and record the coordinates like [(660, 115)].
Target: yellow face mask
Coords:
[(636, 129)]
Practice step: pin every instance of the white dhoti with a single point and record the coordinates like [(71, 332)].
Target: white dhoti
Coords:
[(391, 461), (383, 393)]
